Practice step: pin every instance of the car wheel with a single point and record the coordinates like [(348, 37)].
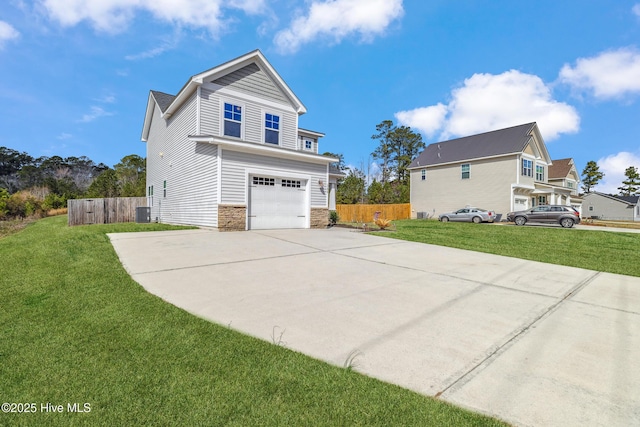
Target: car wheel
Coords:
[(444, 219), (520, 220), (566, 222), (477, 220)]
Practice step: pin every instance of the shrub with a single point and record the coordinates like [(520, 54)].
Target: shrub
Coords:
[(23, 204), (333, 217), (383, 223)]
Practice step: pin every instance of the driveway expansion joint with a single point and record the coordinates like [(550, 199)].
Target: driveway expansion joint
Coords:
[(500, 349)]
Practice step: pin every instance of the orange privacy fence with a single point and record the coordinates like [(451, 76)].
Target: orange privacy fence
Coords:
[(365, 213)]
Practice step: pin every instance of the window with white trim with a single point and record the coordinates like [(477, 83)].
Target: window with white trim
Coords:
[(232, 120), (308, 144), (539, 173), (423, 174), (542, 200), (271, 129), (590, 208), (527, 167), (466, 171)]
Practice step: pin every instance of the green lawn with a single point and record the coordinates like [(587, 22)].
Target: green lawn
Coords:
[(75, 328), (595, 250)]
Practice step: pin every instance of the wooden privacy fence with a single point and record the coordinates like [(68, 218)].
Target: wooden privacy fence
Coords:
[(104, 211), (365, 213)]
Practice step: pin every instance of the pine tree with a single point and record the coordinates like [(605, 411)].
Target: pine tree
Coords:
[(591, 175), (631, 185)]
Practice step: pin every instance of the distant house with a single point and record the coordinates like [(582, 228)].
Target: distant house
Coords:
[(503, 170), (605, 206), (226, 151)]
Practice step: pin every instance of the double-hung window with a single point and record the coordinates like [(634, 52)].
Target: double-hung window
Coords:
[(539, 173), (232, 120), (466, 171), (271, 129), (527, 167), (423, 174)]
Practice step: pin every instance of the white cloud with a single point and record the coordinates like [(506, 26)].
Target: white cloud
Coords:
[(636, 9), (608, 75), (114, 16), (488, 102), (96, 113), (168, 43), (613, 167), (7, 32), (336, 19), (64, 135), (427, 120)]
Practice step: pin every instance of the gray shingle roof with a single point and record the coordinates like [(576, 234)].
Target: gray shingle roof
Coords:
[(163, 99), (494, 143), (631, 200)]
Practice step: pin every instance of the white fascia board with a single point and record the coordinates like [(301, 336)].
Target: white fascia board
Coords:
[(265, 150), (311, 133), (497, 156), (146, 126), (242, 61)]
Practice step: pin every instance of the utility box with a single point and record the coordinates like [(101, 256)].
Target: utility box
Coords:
[(422, 215), (143, 214)]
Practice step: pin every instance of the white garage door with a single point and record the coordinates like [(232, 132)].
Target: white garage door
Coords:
[(277, 203)]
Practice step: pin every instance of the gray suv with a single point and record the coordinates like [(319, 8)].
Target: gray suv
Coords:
[(566, 216)]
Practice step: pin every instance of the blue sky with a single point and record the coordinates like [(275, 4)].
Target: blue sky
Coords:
[(75, 74)]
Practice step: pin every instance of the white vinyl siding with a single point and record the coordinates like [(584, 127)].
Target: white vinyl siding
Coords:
[(252, 80), (211, 120), (190, 170), (236, 164)]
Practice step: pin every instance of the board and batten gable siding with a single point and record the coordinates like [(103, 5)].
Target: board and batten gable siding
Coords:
[(444, 190), (189, 169), (234, 171), (252, 80), (211, 105)]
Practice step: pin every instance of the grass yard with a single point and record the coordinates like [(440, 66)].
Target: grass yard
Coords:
[(75, 328), (591, 249)]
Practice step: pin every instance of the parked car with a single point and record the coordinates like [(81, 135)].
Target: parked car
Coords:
[(566, 216), (476, 215)]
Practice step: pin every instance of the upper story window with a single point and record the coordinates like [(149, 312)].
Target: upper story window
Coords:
[(527, 167), (308, 144), (423, 174), (271, 129), (232, 120), (570, 184), (466, 171), (539, 173)]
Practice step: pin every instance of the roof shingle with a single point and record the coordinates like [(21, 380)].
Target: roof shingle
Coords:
[(494, 143)]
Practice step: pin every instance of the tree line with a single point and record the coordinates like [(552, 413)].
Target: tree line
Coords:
[(591, 175), (30, 186), (397, 147)]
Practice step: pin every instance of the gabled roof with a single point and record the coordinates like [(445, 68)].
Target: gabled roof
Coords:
[(169, 104), (163, 100), (560, 168), (629, 200), (511, 140)]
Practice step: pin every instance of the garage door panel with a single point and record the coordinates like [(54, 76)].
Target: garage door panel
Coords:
[(277, 203)]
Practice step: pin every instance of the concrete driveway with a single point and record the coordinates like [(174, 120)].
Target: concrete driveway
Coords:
[(531, 343)]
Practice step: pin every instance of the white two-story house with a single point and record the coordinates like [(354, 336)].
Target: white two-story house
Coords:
[(503, 170), (226, 152)]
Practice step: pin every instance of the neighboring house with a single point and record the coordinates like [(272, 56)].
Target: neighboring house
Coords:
[(605, 206), (503, 170), (226, 152)]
